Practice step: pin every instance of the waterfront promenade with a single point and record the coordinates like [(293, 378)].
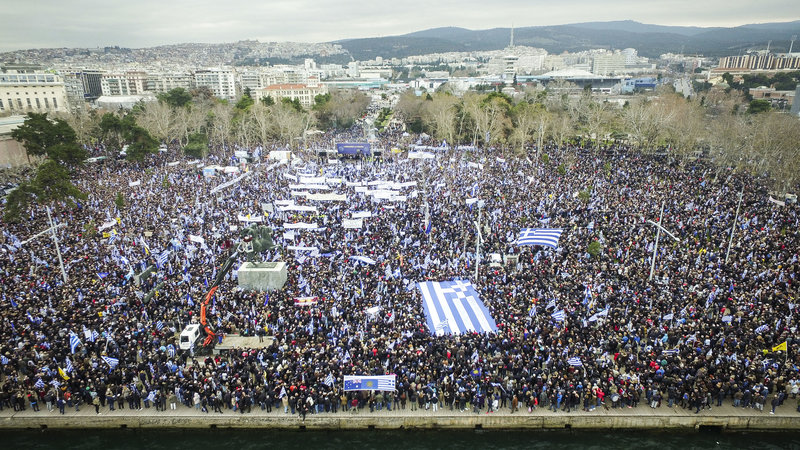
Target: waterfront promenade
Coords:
[(645, 418)]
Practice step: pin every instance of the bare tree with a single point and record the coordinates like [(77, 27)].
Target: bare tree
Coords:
[(157, 118), (440, 116), (221, 123)]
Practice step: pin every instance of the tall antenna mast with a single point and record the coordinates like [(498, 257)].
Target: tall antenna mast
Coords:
[(794, 38)]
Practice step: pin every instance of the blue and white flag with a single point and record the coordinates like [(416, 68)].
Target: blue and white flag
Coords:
[(539, 236), (39, 384), (369, 383), (551, 304), (575, 361), (159, 325), (171, 351), (163, 257), (456, 306), (69, 367), (112, 362), (55, 383), (329, 380), (559, 315), (671, 352), (74, 342), (762, 329), (3, 360), (668, 316)]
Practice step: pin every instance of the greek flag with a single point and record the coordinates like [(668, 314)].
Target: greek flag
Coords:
[(559, 315), (329, 380), (112, 362), (670, 352), (532, 311), (539, 236), (112, 238), (456, 306), (74, 342), (171, 351), (369, 383), (95, 335), (55, 383), (575, 361), (162, 258), (762, 329), (668, 316), (39, 384), (69, 367), (551, 304), (3, 360), (159, 325)]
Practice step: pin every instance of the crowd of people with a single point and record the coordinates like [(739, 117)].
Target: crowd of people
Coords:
[(706, 330)]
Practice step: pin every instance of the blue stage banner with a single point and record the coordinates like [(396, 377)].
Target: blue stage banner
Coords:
[(353, 148)]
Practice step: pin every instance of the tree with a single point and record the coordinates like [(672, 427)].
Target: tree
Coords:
[(197, 146), (267, 100), (340, 108), (758, 106), (53, 139), (440, 116), (111, 128), (119, 201), (246, 101), (594, 249), (140, 143), (158, 119), (176, 98)]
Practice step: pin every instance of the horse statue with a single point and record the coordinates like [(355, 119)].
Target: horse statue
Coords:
[(255, 240)]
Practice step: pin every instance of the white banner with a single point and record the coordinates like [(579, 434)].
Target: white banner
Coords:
[(362, 189), (300, 208), (134, 183), (333, 181), (352, 223), (284, 202), (776, 201), (312, 180), (299, 225), (289, 176), (361, 214), (228, 183), (421, 155), (327, 197), (353, 183), (173, 164), (251, 218), (320, 187), (301, 249), (107, 225), (197, 239)]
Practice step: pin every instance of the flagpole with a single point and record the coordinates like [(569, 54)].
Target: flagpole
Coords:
[(733, 227), (655, 248), (55, 241), (478, 245)]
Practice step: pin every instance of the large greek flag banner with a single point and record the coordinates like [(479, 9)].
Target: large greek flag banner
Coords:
[(369, 383), (453, 307)]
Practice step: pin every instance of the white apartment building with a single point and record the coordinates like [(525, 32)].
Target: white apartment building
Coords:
[(126, 83), (221, 82), (32, 92), (303, 92), (164, 82)]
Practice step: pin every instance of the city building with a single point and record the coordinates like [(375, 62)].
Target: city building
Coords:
[(28, 91), (303, 92), (760, 61), (221, 81), (164, 82), (127, 83)]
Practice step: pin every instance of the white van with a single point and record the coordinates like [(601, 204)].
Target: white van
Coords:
[(189, 336)]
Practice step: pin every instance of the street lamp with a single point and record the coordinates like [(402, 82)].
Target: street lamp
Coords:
[(658, 235)]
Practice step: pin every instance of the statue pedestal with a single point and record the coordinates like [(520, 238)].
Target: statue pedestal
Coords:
[(268, 276)]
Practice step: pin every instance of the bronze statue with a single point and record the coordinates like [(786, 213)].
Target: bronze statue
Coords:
[(255, 240)]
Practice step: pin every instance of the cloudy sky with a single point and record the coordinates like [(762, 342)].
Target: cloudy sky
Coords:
[(145, 23)]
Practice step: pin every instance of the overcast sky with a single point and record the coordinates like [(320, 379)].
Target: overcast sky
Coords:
[(146, 23)]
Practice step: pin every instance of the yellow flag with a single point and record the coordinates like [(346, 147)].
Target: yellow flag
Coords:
[(63, 374), (780, 347)]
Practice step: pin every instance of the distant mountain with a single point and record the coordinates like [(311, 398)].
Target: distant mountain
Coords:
[(649, 40)]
